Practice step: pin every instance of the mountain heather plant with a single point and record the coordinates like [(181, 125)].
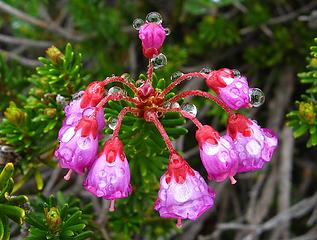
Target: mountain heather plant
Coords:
[(183, 193)]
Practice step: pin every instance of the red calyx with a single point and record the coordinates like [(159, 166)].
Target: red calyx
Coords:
[(207, 134), (178, 168), (88, 126), (215, 79), (93, 94), (150, 52), (239, 123), (145, 90), (112, 149)]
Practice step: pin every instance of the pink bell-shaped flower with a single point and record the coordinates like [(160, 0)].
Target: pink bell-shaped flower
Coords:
[(78, 145), (84, 106), (233, 90), (109, 177), (217, 154), (183, 192), (152, 36), (254, 145)]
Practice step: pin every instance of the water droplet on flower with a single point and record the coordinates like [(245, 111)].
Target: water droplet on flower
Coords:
[(115, 90), (256, 97), (167, 105), (182, 192), (67, 154), (205, 70), (167, 31), (253, 147), (176, 75), (223, 157), (190, 108), (111, 178), (137, 23), (102, 184), (154, 17), (113, 123), (68, 134), (159, 61), (139, 83), (87, 112), (236, 73), (175, 105), (99, 193), (211, 149), (84, 142), (77, 95)]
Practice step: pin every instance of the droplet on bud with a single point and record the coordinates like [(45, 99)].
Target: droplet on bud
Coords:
[(236, 73), (159, 61), (176, 75), (113, 123), (137, 23), (175, 105), (154, 17), (139, 83), (167, 105), (205, 70), (256, 97), (167, 31), (115, 90), (190, 108)]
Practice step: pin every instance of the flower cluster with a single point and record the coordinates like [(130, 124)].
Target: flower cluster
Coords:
[(183, 193)]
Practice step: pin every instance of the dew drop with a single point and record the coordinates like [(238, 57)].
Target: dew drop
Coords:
[(84, 142), (205, 70), (67, 154), (176, 75), (139, 83), (256, 97), (175, 105), (102, 184), (115, 90), (236, 73), (167, 31), (113, 123), (211, 149), (159, 61), (137, 23), (253, 147), (88, 111), (68, 134), (154, 17), (167, 105), (182, 192), (190, 108)]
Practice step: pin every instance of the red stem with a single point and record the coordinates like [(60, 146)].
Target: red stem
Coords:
[(121, 80), (181, 79), (150, 72), (162, 131), (202, 94), (184, 113), (115, 97), (120, 118)]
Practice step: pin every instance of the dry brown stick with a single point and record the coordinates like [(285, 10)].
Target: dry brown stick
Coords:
[(51, 26), (24, 61), (24, 41), (285, 180)]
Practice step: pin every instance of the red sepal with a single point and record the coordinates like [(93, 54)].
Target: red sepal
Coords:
[(215, 79), (239, 123), (112, 149), (207, 134), (88, 126), (178, 168), (150, 52), (92, 95)]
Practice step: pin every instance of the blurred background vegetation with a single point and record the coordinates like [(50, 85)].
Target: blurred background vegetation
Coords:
[(270, 42)]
